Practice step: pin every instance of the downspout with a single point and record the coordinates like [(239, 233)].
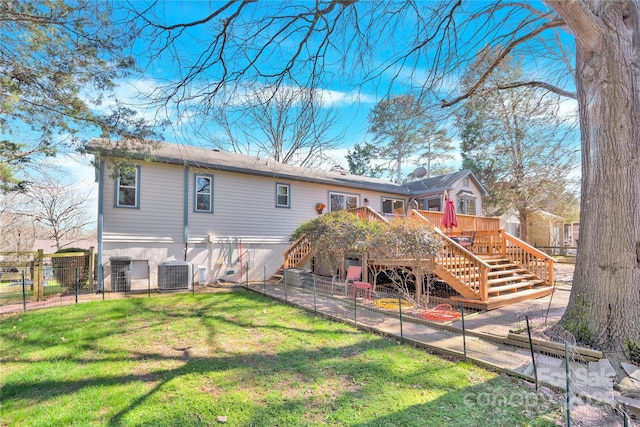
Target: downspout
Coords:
[(100, 221), (186, 212)]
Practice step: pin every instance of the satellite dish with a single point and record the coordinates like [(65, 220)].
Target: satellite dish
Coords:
[(419, 172)]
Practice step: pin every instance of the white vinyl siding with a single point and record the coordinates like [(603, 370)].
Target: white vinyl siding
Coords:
[(159, 217), (244, 208)]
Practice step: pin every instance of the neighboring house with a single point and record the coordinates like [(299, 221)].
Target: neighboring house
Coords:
[(230, 213), (571, 234), (48, 246), (463, 186), (546, 230), (510, 222)]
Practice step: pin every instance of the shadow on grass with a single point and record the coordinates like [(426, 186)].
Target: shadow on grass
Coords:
[(282, 374)]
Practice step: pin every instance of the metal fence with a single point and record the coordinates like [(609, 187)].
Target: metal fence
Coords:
[(34, 280), (531, 351), (551, 360)]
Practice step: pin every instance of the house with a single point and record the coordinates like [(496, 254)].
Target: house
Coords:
[(546, 230), (48, 246), (231, 214), (463, 186)]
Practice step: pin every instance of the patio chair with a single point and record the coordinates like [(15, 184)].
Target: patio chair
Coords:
[(354, 273)]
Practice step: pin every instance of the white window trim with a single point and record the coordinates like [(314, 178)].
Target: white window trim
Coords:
[(117, 186), (288, 187), (195, 193), (393, 199), (340, 193)]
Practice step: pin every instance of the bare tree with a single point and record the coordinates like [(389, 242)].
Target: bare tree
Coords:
[(56, 208), (516, 141), (415, 244), (290, 125), (428, 43)]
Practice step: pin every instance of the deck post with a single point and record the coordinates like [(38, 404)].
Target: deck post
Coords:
[(484, 283)]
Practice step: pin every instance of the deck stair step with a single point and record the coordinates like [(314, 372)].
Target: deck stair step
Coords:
[(513, 287), (505, 299), (495, 273), (510, 279)]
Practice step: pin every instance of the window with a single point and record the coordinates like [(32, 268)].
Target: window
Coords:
[(203, 193), (283, 195), (432, 204), (389, 206), (341, 201), (467, 205), (465, 182), (128, 188), (513, 228)]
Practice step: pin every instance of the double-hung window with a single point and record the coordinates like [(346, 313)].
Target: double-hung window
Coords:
[(128, 188), (342, 201), (203, 193), (283, 195)]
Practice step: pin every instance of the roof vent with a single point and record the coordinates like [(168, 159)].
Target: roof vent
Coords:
[(339, 169)]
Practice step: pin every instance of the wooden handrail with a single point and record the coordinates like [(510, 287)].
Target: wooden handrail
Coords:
[(465, 222), (458, 266), (366, 212), (297, 251), (534, 260)]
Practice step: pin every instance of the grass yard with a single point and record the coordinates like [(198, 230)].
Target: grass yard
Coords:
[(188, 360)]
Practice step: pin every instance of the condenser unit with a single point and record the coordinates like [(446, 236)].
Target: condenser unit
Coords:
[(174, 276)]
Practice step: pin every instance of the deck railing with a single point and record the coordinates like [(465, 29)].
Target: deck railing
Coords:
[(534, 260), (296, 252), (365, 212), (463, 270), (465, 222)]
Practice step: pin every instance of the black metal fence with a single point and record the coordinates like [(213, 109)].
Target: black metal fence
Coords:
[(550, 361), (34, 280), (531, 352)]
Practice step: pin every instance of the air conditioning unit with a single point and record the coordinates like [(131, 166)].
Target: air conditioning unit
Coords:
[(174, 276)]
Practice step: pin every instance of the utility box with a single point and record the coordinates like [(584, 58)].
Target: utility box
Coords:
[(202, 275), (120, 273)]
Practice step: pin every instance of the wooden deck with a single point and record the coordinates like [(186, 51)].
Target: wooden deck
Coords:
[(496, 270)]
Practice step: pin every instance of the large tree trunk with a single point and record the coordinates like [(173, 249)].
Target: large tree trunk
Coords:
[(604, 307)]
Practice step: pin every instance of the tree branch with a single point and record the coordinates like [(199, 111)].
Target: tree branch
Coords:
[(543, 85), (552, 24)]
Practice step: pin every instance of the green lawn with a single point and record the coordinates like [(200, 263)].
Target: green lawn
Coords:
[(185, 360)]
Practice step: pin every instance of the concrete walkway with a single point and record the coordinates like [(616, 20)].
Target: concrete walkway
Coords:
[(483, 341)]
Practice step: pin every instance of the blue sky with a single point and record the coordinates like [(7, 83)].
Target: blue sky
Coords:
[(340, 88)]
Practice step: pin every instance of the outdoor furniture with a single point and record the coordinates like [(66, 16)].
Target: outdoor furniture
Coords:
[(464, 241), (360, 290), (354, 273)]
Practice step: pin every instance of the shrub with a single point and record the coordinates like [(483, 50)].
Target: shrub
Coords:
[(64, 268)]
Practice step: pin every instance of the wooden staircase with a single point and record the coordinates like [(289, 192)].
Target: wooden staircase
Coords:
[(507, 283), (497, 270)]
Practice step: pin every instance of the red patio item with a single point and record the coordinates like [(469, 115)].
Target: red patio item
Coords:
[(449, 219)]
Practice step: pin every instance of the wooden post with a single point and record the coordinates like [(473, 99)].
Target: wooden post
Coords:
[(38, 275)]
